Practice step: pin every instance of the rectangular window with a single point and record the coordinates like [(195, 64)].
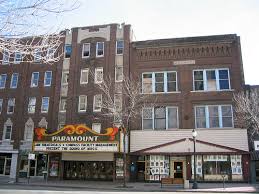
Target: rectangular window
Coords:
[(159, 82), (10, 106), (84, 76), (172, 117), (17, 57), (1, 105), (97, 103), (119, 73), (45, 105), (171, 82), (147, 118), (96, 127), (6, 57), (68, 50), (37, 55), (82, 103), (86, 50), (8, 132), (35, 79), (98, 77), (147, 83), (118, 102), (119, 47), (2, 80), (50, 54), (47, 78), (99, 49), (65, 77), (160, 118), (211, 80), (32, 105), (213, 116), (63, 105), (14, 80), (28, 132)]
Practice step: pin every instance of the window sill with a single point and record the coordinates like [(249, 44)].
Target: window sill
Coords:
[(86, 57), (82, 111), (7, 141), (119, 54), (176, 92), (99, 56), (62, 111), (194, 91), (83, 83)]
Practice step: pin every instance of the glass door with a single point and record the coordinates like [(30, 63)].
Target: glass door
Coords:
[(178, 169)]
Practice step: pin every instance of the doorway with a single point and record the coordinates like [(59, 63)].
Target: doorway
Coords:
[(5, 165), (178, 170)]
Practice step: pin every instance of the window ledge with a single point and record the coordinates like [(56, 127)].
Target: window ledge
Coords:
[(203, 91), (176, 92)]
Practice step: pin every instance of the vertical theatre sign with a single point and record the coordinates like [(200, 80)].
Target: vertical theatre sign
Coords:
[(76, 138)]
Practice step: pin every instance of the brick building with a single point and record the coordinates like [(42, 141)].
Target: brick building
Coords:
[(192, 78)]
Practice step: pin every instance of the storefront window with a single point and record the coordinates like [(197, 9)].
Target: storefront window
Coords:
[(53, 166), (236, 167), (119, 168), (198, 166)]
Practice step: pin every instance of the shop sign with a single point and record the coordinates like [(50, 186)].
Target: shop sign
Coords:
[(76, 138), (31, 156)]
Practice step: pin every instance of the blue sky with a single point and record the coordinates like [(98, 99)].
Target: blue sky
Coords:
[(152, 19)]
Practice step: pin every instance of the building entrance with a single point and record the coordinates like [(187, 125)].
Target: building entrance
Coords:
[(88, 170), (5, 165)]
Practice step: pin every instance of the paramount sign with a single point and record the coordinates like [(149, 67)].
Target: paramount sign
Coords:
[(76, 138)]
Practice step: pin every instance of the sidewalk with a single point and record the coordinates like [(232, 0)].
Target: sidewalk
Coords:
[(145, 187)]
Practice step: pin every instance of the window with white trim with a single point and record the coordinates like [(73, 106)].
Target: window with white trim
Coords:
[(97, 105), (8, 132), (10, 106), (63, 105), (82, 103), (119, 47), (35, 79), (119, 73), (32, 105), (1, 105), (45, 104), (96, 127), (6, 57), (14, 80), (17, 57), (86, 50), (213, 116), (99, 49), (154, 82), (118, 102), (98, 76), (50, 54), (68, 50), (84, 76), (211, 80), (65, 78), (28, 130), (47, 78), (2, 80), (160, 118), (37, 55)]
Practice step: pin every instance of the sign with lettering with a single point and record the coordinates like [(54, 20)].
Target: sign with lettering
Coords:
[(184, 62), (76, 138)]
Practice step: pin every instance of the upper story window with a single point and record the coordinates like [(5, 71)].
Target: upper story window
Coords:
[(98, 76), (68, 50), (35, 79), (97, 105), (65, 77), (99, 49), (6, 57), (213, 116), (118, 102), (17, 57), (10, 106), (50, 54), (160, 118), (86, 50), (82, 104), (96, 127), (2, 80), (211, 80), (14, 80), (63, 105), (1, 105), (32, 105), (7, 132), (119, 73), (84, 76), (154, 82), (45, 105), (119, 47), (37, 55), (47, 78)]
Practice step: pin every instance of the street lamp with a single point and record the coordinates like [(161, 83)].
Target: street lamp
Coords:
[(194, 135)]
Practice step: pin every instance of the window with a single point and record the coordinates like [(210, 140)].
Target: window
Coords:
[(216, 165), (99, 49), (159, 82), (96, 127), (37, 55), (65, 77), (118, 102), (28, 132), (6, 57), (211, 79), (1, 105), (84, 76), (50, 54), (63, 105), (47, 78), (160, 118), (97, 103), (14, 80), (86, 50), (32, 105), (119, 47), (213, 116), (82, 104), (17, 57), (2, 80), (98, 78), (10, 106), (8, 132), (68, 50), (45, 105), (35, 79), (119, 73)]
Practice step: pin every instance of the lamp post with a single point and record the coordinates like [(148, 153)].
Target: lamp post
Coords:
[(194, 135)]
